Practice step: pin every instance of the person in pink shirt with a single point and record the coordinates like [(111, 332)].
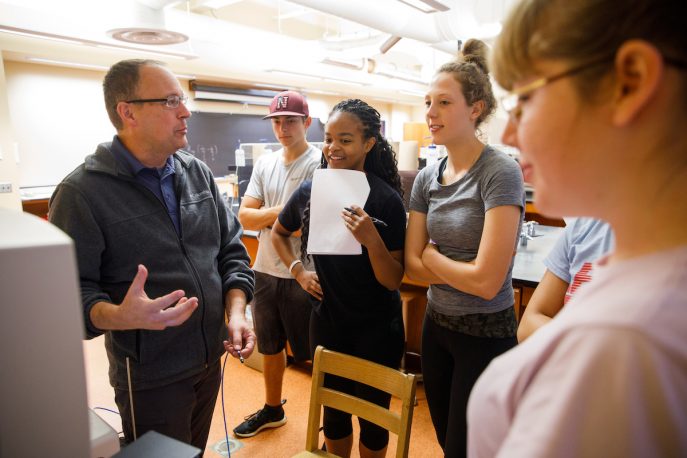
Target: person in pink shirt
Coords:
[(598, 105)]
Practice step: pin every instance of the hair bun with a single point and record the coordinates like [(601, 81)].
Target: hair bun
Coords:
[(475, 52)]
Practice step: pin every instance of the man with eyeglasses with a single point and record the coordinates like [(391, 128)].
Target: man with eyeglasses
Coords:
[(160, 258)]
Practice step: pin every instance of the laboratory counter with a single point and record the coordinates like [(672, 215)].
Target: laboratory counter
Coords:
[(528, 269)]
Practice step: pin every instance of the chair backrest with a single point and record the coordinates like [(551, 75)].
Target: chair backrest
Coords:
[(381, 377)]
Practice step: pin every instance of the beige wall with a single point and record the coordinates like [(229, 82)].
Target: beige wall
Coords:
[(58, 118), (9, 171)]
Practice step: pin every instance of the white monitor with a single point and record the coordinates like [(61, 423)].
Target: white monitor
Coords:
[(43, 405)]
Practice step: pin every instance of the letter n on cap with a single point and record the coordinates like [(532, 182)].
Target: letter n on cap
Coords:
[(282, 102)]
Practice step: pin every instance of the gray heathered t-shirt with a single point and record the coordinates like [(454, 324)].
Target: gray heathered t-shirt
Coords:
[(273, 182), (455, 219)]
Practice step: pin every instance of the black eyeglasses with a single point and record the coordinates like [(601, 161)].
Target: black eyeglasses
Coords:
[(511, 101), (171, 101)]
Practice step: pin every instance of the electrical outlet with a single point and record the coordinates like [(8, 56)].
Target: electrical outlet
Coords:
[(5, 187)]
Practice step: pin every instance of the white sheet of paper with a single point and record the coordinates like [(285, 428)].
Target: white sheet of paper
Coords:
[(332, 190)]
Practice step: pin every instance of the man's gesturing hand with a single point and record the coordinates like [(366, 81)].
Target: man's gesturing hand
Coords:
[(138, 311)]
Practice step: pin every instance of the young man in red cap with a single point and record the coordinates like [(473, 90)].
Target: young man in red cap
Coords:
[(281, 308)]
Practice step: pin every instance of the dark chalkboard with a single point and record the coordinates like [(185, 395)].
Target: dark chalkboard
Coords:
[(213, 137)]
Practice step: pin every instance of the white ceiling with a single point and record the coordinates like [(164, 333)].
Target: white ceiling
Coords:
[(277, 43)]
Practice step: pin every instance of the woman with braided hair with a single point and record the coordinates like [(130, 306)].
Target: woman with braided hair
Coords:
[(356, 302)]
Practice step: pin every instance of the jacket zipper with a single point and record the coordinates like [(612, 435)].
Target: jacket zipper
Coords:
[(196, 277), (179, 181)]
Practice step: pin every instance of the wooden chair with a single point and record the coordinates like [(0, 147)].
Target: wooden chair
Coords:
[(381, 377)]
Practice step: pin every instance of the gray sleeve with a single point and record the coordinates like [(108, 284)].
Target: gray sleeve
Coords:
[(558, 260), (70, 211), (503, 184), (255, 185), (419, 196)]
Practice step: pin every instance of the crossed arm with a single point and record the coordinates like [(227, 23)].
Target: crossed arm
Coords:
[(482, 276), (254, 216)]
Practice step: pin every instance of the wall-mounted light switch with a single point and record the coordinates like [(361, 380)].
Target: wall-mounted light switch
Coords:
[(5, 187)]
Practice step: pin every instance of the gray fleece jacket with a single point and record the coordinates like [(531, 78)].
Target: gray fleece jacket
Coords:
[(117, 224)]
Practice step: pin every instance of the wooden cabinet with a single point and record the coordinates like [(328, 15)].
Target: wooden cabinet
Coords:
[(38, 207), (523, 294), (517, 294), (414, 303), (532, 214), (251, 244), (417, 131)]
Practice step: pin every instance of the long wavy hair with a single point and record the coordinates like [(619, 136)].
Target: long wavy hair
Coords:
[(380, 160)]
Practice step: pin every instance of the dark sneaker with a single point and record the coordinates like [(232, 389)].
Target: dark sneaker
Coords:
[(267, 417)]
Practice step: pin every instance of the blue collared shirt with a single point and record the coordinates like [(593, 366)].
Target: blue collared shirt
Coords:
[(159, 181)]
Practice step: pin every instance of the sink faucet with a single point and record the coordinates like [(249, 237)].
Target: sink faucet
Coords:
[(528, 232), (529, 228)]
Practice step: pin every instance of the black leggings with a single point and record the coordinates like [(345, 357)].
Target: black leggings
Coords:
[(451, 363), (382, 344)]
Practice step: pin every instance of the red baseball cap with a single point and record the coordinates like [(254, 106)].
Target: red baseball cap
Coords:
[(288, 103)]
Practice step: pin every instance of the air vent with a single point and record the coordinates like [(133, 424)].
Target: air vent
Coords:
[(226, 93), (146, 36)]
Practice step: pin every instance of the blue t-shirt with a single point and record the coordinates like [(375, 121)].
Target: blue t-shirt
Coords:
[(584, 241), (352, 295)]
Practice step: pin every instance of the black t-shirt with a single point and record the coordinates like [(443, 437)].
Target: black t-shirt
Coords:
[(352, 295)]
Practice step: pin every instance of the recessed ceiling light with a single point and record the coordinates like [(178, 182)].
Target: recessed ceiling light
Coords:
[(147, 36)]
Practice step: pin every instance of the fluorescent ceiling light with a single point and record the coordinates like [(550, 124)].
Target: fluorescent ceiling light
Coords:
[(43, 36), (63, 63), (301, 75), (170, 55), (426, 6), (317, 77), (342, 81)]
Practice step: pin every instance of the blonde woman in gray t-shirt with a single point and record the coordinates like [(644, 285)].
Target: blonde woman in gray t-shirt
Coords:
[(465, 214)]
